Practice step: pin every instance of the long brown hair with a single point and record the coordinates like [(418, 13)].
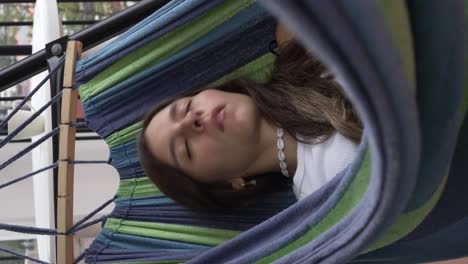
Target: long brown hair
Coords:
[(301, 96)]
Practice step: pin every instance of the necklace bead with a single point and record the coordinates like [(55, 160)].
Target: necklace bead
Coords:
[(280, 132), (280, 144), (281, 155)]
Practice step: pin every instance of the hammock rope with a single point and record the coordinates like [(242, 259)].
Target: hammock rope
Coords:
[(80, 257), (15, 132), (28, 149), (44, 231), (28, 230), (82, 223), (52, 72), (85, 225), (14, 253), (27, 176)]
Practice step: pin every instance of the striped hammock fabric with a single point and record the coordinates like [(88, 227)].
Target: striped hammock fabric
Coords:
[(406, 82)]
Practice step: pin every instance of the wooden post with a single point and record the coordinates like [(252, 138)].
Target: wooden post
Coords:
[(66, 153)]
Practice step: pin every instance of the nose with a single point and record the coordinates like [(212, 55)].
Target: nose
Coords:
[(193, 122)]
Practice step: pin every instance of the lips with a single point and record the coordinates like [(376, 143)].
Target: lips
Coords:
[(218, 117)]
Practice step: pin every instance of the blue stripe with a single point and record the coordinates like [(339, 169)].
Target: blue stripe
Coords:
[(172, 15)]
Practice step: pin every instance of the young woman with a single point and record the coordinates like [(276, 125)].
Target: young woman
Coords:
[(220, 147)]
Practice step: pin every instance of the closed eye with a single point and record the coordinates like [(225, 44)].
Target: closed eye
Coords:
[(188, 150), (189, 103)]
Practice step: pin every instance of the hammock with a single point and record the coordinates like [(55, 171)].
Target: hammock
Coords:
[(382, 205), (403, 65)]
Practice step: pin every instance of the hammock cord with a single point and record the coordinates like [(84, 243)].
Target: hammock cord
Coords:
[(28, 230), (52, 72), (33, 230), (43, 231), (9, 251), (90, 223), (29, 175), (30, 147), (10, 136), (79, 258), (80, 224)]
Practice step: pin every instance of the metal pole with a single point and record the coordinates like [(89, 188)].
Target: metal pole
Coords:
[(90, 37), (30, 23), (61, 1), (13, 50)]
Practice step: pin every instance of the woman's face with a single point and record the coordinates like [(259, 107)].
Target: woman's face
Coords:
[(211, 136)]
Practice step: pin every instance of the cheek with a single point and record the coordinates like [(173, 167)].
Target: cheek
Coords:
[(245, 117), (220, 162)]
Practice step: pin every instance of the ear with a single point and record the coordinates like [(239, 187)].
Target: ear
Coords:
[(237, 183)]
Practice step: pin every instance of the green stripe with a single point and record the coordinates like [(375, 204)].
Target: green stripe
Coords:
[(407, 222), (157, 262), (181, 233), (258, 70), (125, 135), (137, 187), (161, 48), (350, 199), (397, 21)]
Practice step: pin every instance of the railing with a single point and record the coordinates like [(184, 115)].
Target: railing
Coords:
[(90, 37)]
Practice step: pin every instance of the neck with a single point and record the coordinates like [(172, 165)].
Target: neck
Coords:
[(267, 154)]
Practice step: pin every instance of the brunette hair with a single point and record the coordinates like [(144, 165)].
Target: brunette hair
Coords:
[(301, 96)]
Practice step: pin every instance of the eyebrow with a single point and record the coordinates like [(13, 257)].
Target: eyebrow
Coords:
[(172, 113)]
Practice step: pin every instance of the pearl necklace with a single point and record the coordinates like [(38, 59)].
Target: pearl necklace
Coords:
[(281, 156)]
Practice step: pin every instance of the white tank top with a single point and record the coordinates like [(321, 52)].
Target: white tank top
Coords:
[(319, 163)]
